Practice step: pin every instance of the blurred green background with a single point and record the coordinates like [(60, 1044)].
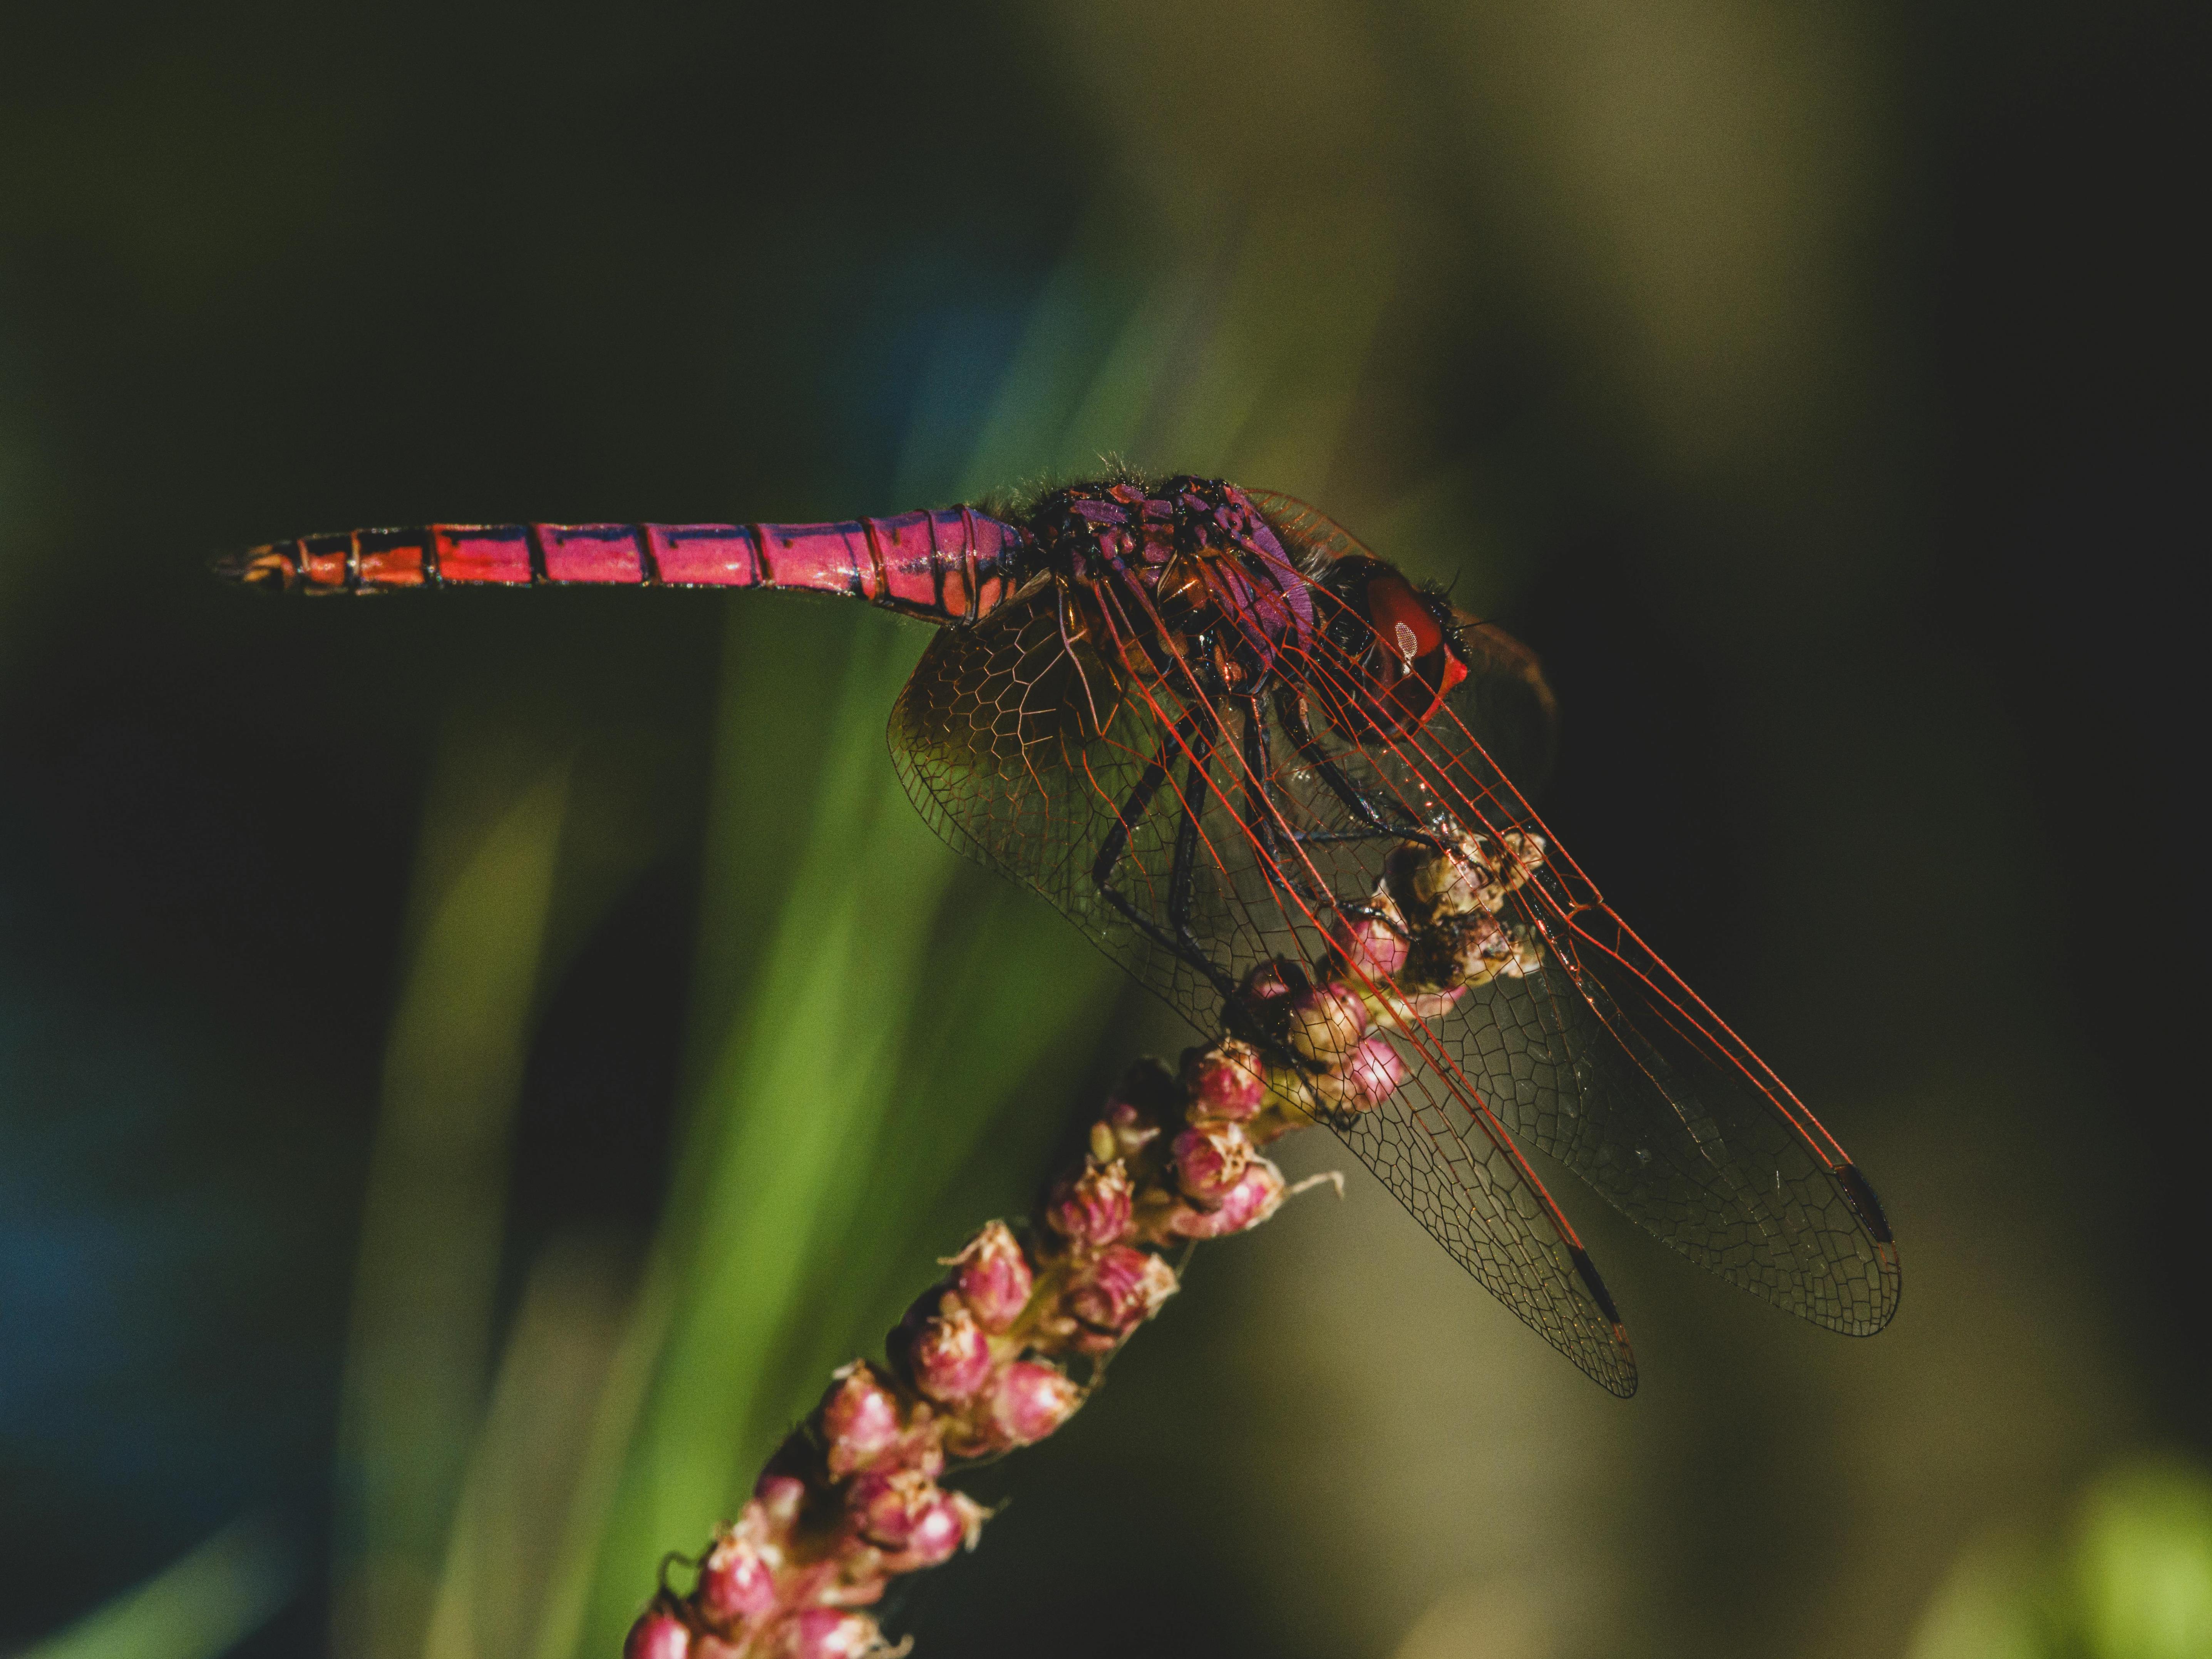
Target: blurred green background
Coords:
[(468, 1068)]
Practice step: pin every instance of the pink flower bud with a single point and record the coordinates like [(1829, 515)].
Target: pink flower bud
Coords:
[(777, 1499), (859, 1419), (1271, 981), (1373, 1073), (827, 1633), (1326, 1023), (994, 1277), (950, 1356), (1371, 947), (1125, 1288), (1093, 1208), (1031, 1400), (658, 1634), (952, 1521), (1228, 1080), (887, 1505), (1210, 1159), (1123, 1131), (912, 1519), (736, 1582), (1250, 1202)]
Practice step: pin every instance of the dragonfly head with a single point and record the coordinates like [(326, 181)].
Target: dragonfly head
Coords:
[(1391, 652)]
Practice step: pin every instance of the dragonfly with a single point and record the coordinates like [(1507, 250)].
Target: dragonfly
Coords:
[(1201, 720)]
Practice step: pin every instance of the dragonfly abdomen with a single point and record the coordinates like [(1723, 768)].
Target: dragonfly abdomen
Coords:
[(950, 565)]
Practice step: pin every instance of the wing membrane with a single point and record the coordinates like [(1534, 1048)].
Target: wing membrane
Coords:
[(1030, 756), (1605, 1060)]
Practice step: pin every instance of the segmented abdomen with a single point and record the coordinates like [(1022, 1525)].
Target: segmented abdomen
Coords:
[(950, 565)]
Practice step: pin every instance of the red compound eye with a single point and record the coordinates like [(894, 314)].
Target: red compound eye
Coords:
[(1414, 667), (1408, 632)]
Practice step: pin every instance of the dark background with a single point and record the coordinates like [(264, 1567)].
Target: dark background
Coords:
[(1819, 397)]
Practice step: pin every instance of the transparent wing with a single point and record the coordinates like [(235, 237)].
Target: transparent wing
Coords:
[(1601, 1057), (1040, 760)]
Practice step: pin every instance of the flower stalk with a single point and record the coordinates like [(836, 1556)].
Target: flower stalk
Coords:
[(1004, 1348)]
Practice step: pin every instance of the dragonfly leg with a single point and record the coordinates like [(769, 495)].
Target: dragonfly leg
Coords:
[(1299, 725), (1268, 826), (1182, 876)]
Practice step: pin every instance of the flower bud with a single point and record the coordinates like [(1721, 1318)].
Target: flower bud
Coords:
[(736, 1582), (777, 1499), (950, 1356), (658, 1634), (1123, 1131), (1524, 854), (1146, 1094), (1248, 1204), (1432, 884), (1372, 1074), (1325, 1022), (1210, 1159), (887, 1505), (1228, 1080), (911, 1517), (1031, 1400), (1093, 1208), (1399, 1012), (1473, 949), (994, 1277), (1270, 982), (859, 1419), (828, 1633), (955, 1522), (1373, 947), (1125, 1287)]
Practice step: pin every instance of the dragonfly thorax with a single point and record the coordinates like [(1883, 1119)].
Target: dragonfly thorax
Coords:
[(1184, 572)]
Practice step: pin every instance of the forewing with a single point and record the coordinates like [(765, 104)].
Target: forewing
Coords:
[(1603, 1058), (1030, 756), (1463, 1182)]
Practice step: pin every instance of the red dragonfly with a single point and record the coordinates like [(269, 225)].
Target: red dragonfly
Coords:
[(1200, 721)]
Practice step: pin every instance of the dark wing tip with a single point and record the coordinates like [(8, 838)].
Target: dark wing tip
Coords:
[(1887, 1275), (1859, 1193), (1619, 1379)]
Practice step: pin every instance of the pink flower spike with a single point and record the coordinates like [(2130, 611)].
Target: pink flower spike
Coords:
[(1228, 1080), (1210, 1160), (950, 1356), (994, 1277), (735, 1583), (1126, 1288), (1372, 1074), (658, 1634), (859, 1419), (1031, 1400), (1093, 1208), (1253, 1199), (826, 1633), (1327, 1023)]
